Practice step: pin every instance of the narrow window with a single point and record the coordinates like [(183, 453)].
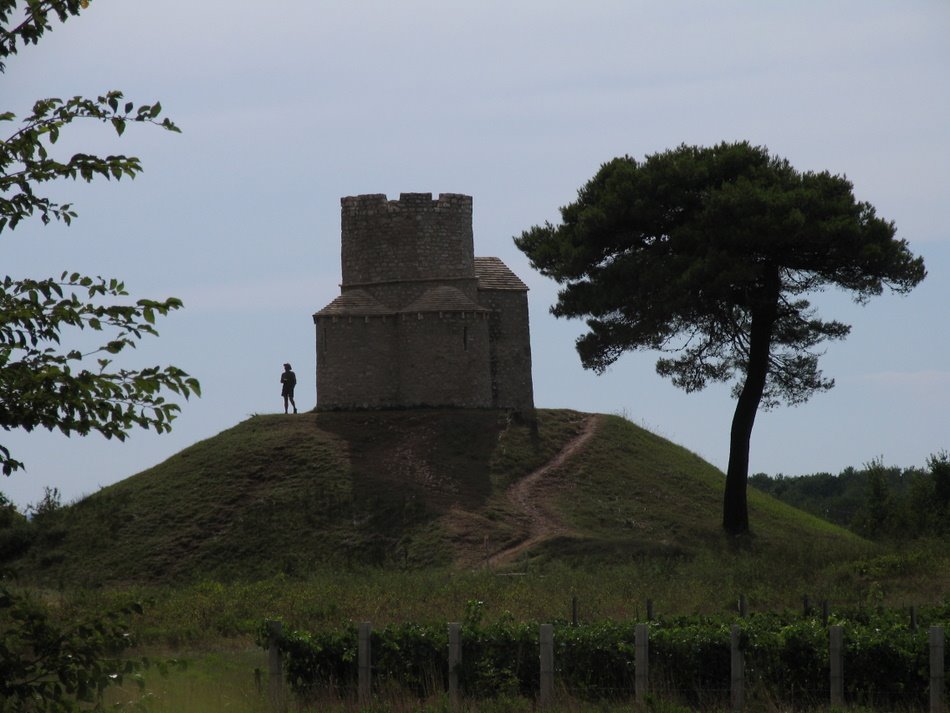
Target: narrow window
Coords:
[(465, 338)]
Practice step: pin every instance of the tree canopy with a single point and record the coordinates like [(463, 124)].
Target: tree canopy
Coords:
[(705, 254), (45, 382)]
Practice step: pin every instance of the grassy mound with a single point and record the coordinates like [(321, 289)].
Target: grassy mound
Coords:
[(401, 489)]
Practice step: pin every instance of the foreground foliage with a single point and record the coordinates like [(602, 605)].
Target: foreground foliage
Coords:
[(46, 380), (44, 385), (885, 661), (46, 665)]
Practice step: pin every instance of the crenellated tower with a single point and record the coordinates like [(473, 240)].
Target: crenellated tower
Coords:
[(420, 321), (414, 238)]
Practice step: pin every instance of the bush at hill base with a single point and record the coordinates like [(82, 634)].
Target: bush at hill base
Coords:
[(786, 656)]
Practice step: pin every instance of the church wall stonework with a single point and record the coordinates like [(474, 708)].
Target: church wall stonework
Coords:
[(421, 321), (442, 359), (354, 361), (510, 352)]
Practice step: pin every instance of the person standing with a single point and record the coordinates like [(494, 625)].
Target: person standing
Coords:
[(288, 380)]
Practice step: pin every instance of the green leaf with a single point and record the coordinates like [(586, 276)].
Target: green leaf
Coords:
[(44, 379)]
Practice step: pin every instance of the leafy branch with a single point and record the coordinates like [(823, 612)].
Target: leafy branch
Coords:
[(26, 160), (34, 23), (43, 385)]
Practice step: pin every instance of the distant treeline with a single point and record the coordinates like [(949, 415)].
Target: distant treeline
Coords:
[(876, 501)]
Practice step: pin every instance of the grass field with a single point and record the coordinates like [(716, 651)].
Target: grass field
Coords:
[(277, 495), (210, 614), (328, 519)]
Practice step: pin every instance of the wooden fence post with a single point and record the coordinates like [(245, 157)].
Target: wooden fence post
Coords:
[(935, 635), (737, 670), (574, 610), (455, 660), (649, 610), (743, 607), (641, 661), (836, 664), (275, 664), (364, 662), (547, 665)]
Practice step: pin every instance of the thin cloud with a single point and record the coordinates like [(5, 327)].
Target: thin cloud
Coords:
[(925, 379), (265, 295)]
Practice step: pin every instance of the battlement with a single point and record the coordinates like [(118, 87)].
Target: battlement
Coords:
[(420, 321), (418, 202)]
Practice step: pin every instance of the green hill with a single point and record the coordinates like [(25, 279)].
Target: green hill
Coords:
[(402, 489)]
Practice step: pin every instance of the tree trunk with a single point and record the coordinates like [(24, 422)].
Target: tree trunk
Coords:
[(735, 509)]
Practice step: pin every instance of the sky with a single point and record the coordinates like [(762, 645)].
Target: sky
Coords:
[(287, 106)]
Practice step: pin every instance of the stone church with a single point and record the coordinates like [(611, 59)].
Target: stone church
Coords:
[(421, 321)]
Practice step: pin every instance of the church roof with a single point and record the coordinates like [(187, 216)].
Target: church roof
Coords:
[(354, 303), (493, 274), (443, 299)]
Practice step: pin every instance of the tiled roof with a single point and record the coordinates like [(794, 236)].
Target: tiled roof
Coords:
[(354, 303), (443, 299), (493, 274)]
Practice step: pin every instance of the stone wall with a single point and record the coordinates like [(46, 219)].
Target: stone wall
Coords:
[(442, 360), (355, 364), (510, 356)]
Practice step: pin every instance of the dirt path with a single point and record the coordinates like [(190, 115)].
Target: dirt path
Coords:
[(527, 497)]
